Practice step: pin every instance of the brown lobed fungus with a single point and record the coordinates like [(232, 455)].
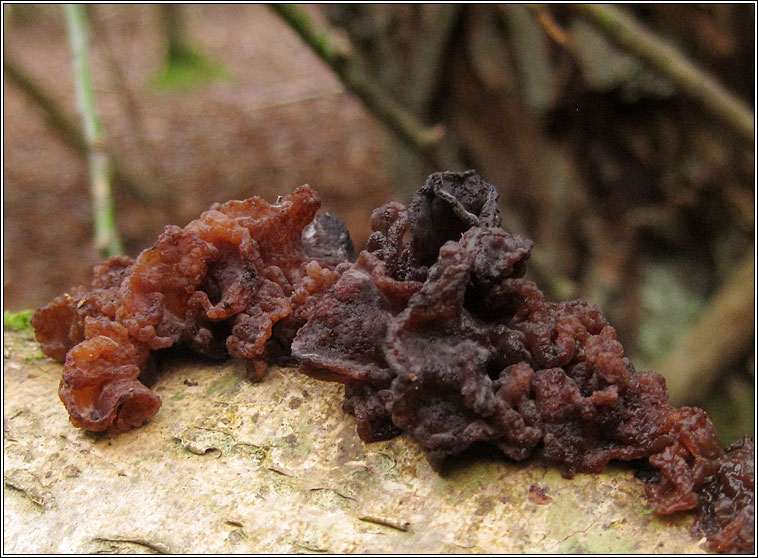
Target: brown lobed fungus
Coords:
[(433, 330), (238, 281), (441, 338)]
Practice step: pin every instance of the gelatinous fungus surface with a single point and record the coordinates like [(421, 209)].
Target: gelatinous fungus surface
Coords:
[(433, 330), (440, 337), (237, 281)]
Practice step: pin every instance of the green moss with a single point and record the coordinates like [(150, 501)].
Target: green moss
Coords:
[(381, 462), (468, 477), (250, 451), (225, 384), (293, 448), (280, 483), (645, 510), (34, 357), (562, 518), (331, 499), (599, 540), (187, 69), (17, 320)]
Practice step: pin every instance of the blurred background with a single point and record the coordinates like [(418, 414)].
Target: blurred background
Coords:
[(638, 198)]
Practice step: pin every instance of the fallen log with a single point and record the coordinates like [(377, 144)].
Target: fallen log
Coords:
[(230, 466)]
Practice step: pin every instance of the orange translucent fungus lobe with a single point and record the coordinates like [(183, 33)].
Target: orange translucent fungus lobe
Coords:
[(100, 385), (59, 325), (218, 286)]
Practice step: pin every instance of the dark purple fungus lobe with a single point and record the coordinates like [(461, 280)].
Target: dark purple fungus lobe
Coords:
[(441, 338)]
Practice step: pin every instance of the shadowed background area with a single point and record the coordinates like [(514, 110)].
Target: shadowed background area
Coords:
[(639, 198)]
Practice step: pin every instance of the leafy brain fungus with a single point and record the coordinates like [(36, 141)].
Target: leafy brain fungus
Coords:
[(433, 330), (238, 281)]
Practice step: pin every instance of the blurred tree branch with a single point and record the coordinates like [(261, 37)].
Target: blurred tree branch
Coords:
[(107, 239), (624, 31), (718, 337), (62, 123), (432, 144), (150, 166), (66, 128), (423, 139)]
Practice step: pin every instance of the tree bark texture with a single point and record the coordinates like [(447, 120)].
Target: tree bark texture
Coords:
[(230, 466)]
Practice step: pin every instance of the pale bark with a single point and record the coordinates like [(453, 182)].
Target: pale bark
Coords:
[(230, 466)]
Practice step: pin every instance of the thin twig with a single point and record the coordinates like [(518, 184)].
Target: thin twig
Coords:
[(624, 31), (425, 140), (725, 328), (107, 239)]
